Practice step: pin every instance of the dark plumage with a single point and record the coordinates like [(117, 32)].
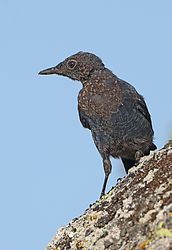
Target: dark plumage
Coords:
[(111, 108)]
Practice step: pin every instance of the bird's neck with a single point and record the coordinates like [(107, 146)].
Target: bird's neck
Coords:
[(97, 77)]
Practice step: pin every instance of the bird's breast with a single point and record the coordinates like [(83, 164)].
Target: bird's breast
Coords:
[(99, 101)]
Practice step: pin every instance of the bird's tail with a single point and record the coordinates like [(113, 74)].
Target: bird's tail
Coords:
[(128, 163), (153, 147)]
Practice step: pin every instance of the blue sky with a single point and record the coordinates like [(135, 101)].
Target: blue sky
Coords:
[(50, 168)]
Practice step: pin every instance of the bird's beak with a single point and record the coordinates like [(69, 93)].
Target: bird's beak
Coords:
[(49, 71), (53, 70)]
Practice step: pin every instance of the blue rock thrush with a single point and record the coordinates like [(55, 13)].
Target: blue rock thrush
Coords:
[(111, 108)]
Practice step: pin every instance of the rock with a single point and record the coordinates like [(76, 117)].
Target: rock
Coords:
[(135, 214)]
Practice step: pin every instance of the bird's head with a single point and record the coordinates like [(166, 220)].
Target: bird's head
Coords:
[(77, 67)]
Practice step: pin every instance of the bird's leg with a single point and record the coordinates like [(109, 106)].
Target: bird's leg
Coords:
[(107, 169)]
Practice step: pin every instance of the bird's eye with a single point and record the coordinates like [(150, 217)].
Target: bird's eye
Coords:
[(71, 64)]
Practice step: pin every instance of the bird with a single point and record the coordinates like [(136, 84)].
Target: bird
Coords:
[(111, 108)]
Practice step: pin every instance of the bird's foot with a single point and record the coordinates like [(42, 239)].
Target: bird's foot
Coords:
[(138, 155)]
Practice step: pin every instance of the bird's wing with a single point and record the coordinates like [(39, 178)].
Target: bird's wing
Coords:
[(131, 117), (138, 100), (142, 108)]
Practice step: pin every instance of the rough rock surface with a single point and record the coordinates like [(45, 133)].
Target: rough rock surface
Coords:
[(135, 214)]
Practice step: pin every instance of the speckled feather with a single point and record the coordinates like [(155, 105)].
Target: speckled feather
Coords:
[(111, 108)]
